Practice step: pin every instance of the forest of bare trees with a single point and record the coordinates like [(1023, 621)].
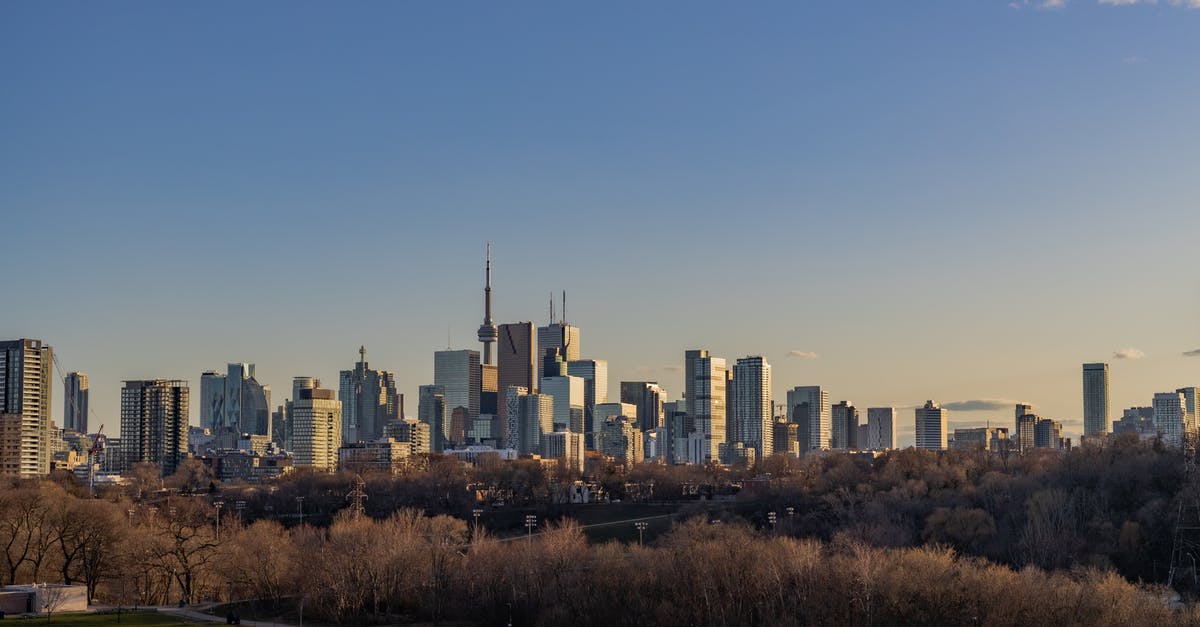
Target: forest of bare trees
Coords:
[(914, 537)]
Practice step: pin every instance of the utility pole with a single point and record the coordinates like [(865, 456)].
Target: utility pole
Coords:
[(300, 508), (641, 527), (530, 523)]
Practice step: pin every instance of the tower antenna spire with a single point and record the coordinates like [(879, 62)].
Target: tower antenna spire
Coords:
[(488, 333), (564, 310)]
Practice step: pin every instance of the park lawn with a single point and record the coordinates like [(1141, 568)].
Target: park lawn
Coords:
[(135, 619)]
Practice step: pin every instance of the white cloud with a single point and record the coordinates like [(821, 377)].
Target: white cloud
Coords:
[(1052, 4), (1195, 353), (802, 354), (981, 404), (1128, 353)]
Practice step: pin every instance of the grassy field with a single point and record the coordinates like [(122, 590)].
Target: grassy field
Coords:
[(138, 619)]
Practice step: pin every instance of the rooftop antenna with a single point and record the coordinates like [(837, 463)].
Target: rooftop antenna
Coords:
[(564, 311), (447, 336), (551, 307)]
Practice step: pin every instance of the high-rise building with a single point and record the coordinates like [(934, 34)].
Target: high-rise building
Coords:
[(1026, 431), (843, 427), (649, 398), (1095, 400), (1170, 416), (594, 373), (532, 417), (75, 402), (568, 402), (565, 446), (752, 420), (460, 375), (1021, 409), (154, 422), (786, 440), (931, 427), (488, 333), (621, 440), (881, 428), (516, 358), (558, 335), (1048, 434), (26, 370), (704, 378), (993, 439), (212, 400), (247, 403), (431, 410), (317, 429), (369, 401), (1190, 418), (808, 406), (489, 389)]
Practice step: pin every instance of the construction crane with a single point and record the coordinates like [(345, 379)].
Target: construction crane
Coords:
[(97, 446)]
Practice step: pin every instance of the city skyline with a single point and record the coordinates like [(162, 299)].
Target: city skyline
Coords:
[(989, 196)]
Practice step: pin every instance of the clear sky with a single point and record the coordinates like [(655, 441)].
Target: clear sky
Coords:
[(960, 201)]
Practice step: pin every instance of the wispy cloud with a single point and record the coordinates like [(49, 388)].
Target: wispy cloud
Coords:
[(802, 354), (673, 368), (980, 404), (1128, 353), (1195, 353)]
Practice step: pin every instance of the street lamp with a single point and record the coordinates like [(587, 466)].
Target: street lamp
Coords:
[(641, 527), (771, 519), (130, 517), (218, 505), (239, 505), (300, 508), (476, 513), (530, 523)]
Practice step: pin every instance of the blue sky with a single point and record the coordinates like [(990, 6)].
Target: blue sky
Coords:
[(948, 200)]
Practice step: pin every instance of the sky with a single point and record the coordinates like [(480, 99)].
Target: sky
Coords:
[(899, 201)]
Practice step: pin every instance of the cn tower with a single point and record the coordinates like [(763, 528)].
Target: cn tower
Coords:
[(488, 333)]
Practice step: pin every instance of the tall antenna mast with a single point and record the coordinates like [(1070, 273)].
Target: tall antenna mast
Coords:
[(551, 307), (488, 333), (564, 311)]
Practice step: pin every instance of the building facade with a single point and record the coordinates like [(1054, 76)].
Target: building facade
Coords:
[(75, 402), (316, 429), (843, 427), (516, 360), (1096, 420), (154, 422), (649, 397), (881, 428), (808, 407), (752, 421), (459, 374), (26, 370), (369, 401), (1171, 417), (931, 427)]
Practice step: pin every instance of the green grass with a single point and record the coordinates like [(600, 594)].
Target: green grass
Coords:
[(139, 619)]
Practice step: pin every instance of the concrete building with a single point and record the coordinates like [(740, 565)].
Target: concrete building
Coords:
[(1189, 400), (1048, 434), (568, 402), (1026, 431), (843, 427), (460, 375), (26, 372), (881, 428), (1170, 417), (594, 373), (1096, 420), (808, 406), (247, 403), (516, 358), (383, 455), (558, 335), (154, 422), (621, 440), (931, 427), (704, 379), (369, 400), (566, 447), (752, 422), (75, 402), (531, 417), (785, 438), (431, 410), (1021, 409), (649, 397), (992, 439), (317, 429)]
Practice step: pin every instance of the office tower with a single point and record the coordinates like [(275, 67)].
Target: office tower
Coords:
[(279, 427), (864, 436), (1021, 409), (431, 410), (606, 410), (1026, 427), (154, 422), (786, 439), (559, 335), (751, 423), (994, 439), (881, 428), (1170, 416), (566, 447), (649, 398), (26, 370), (931, 427), (1095, 400), (247, 404), (516, 358), (1136, 420), (488, 333), (568, 402), (594, 373), (75, 402), (1189, 421), (532, 417), (677, 426), (704, 378), (212, 400), (1047, 434), (621, 440), (808, 406), (489, 390), (369, 401), (316, 429), (458, 426), (843, 426), (459, 374)]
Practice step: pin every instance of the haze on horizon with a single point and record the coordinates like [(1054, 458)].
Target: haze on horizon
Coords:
[(896, 201)]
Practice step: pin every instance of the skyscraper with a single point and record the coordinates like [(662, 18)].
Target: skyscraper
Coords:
[(1021, 409), (1095, 400), (75, 402), (559, 335), (317, 429), (931, 427), (212, 400), (843, 426), (154, 422), (1170, 416), (431, 410), (247, 403), (649, 398), (808, 407), (26, 369), (752, 422), (488, 333), (369, 400), (532, 418), (568, 402), (704, 380), (516, 359), (594, 373), (881, 429), (459, 374), (1190, 418)]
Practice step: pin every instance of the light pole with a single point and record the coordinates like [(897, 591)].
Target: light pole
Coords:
[(239, 505), (530, 523), (300, 508), (130, 517), (641, 527), (476, 513), (771, 519), (218, 505)]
